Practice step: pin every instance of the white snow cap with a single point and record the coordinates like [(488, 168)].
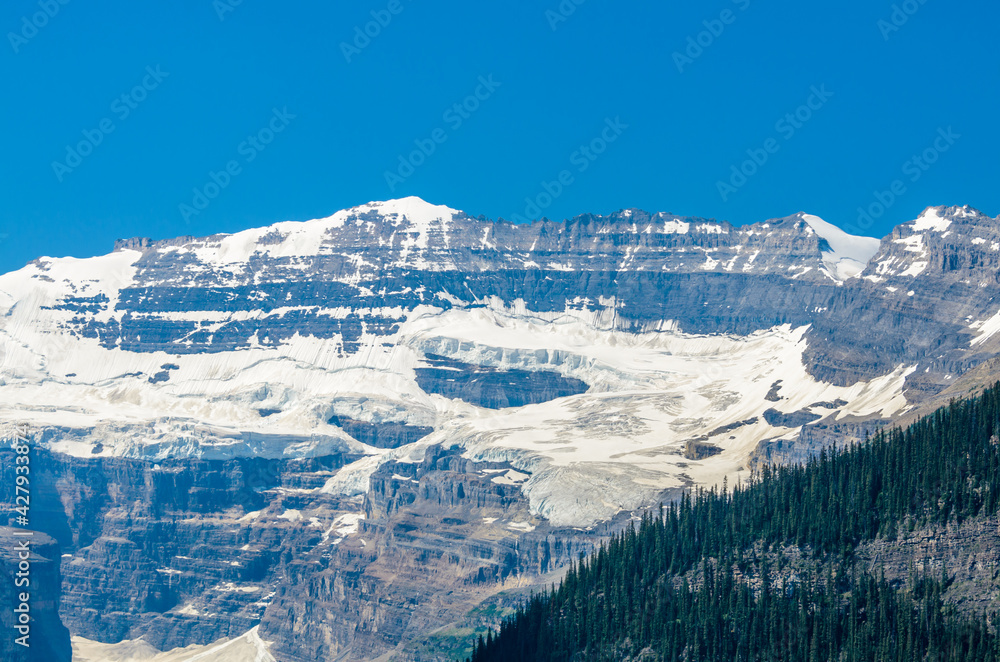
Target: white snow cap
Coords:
[(420, 213), (414, 208), (306, 238), (931, 219), (848, 254)]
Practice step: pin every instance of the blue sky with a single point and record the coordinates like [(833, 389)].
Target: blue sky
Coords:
[(121, 118)]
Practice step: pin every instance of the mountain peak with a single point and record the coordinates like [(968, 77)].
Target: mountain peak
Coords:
[(932, 218), (942, 242), (417, 210), (940, 218), (846, 255)]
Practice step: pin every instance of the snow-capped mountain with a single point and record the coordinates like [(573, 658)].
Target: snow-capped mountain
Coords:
[(672, 329), (581, 369)]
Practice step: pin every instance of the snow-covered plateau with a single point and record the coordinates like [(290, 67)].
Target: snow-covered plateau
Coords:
[(230, 346)]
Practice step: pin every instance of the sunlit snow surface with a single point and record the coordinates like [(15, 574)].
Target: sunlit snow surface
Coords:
[(247, 648), (588, 456), (848, 254), (620, 443), (930, 219), (579, 459)]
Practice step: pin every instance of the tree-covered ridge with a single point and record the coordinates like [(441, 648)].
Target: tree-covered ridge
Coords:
[(627, 597), (725, 618)]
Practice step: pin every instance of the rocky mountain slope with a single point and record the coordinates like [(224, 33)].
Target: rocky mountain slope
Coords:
[(32, 591), (445, 394)]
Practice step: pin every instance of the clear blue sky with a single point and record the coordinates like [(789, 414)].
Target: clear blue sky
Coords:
[(555, 86)]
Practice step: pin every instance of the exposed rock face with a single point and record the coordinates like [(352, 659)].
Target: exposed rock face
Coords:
[(493, 388), (46, 639), (190, 551), (792, 420), (390, 434), (969, 554), (695, 450), (176, 553), (438, 537)]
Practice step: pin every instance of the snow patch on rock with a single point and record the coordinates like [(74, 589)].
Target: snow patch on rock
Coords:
[(931, 220), (848, 254)]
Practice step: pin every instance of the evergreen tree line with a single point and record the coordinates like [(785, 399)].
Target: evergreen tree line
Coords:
[(725, 619), (943, 468)]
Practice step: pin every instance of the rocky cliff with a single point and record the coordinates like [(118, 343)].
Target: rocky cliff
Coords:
[(178, 552), (30, 593), (438, 537)]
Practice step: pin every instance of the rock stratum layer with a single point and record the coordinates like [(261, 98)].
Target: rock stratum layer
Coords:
[(339, 435)]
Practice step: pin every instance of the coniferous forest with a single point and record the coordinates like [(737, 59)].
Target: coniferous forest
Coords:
[(690, 584)]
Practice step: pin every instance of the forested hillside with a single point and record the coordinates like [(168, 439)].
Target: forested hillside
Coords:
[(695, 582)]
